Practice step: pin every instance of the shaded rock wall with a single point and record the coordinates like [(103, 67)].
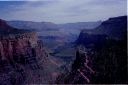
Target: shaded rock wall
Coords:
[(20, 54)]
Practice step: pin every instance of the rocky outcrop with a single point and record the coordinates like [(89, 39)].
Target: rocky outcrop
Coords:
[(105, 54), (101, 56), (11, 45), (23, 58), (104, 63), (81, 70)]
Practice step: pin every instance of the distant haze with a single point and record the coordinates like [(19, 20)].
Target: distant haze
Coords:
[(62, 11)]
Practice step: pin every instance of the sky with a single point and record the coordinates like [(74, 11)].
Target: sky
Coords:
[(62, 11)]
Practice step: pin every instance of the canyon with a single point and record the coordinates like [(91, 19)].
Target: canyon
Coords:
[(101, 55), (47, 53)]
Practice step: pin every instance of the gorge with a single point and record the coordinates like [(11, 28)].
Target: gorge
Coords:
[(47, 53)]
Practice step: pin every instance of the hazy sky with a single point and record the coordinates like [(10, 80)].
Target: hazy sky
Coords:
[(62, 11)]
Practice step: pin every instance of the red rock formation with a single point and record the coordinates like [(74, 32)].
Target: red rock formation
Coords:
[(11, 45), (23, 57)]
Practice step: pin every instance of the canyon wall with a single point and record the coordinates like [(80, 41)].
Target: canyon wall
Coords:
[(23, 58), (101, 56)]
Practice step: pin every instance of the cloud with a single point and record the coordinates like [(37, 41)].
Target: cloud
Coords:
[(63, 11)]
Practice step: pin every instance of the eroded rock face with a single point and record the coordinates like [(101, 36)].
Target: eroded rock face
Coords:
[(15, 45), (17, 52), (102, 57), (23, 58), (81, 71)]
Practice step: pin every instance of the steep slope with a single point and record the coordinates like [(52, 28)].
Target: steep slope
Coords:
[(105, 63), (107, 45), (113, 27), (23, 58), (101, 56)]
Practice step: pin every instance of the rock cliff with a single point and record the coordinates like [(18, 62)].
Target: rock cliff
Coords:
[(23, 58), (101, 56)]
